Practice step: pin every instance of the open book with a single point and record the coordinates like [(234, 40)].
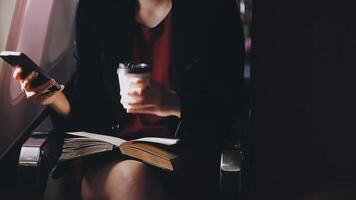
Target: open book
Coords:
[(152, 150)]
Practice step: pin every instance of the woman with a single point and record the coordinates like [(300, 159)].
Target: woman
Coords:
[(195, 49)]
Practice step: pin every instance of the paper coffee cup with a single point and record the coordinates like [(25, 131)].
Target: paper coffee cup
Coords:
[(126, 73)]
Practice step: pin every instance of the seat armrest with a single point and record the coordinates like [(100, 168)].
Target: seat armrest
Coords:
[(30, 171), (231, 173), (38, 156), (231, 161)]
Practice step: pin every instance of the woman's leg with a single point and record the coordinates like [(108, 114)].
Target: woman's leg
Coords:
[(123, 179)]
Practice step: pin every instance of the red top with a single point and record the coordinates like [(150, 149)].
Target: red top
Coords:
[(152, 46)]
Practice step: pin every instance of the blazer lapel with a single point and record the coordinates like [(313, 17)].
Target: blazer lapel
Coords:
[(117, 46), (185, 41), (183, 34), (123, 33)]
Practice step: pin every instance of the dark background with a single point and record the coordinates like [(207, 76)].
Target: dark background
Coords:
[(303, 129)]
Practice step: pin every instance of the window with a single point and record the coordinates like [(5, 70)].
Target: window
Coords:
[(44, 30), (7, 8)]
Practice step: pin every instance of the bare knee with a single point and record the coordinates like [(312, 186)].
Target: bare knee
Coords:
[(130, 171), (127, 179), (134, 179)]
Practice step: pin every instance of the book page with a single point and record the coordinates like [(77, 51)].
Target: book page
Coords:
[(109, 139), (164, 141), (118, 141)]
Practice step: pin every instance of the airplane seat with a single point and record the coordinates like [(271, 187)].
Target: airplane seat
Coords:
[(232, 164), (303, 102)]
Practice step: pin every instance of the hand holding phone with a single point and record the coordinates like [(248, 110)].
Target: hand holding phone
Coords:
[(38, 87), (16, 59)]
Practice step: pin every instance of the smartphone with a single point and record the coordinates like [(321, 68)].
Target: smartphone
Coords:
[(15, 58)]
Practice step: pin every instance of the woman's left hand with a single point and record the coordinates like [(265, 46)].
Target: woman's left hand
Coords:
[(150, 98)]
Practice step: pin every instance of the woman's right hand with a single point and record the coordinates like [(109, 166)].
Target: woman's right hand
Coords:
[(38, 95)]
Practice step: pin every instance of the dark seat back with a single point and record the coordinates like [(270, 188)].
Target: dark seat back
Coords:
[(303, 124)]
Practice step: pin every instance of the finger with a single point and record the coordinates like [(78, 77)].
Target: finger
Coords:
[(45, 97), (132, 94), (138, 85), (27, 77), (138, 82), (145, 92), (138, 107), (42, 88), (28, 80), (137, 92), (146, 110), (128, 101), (125, 103), (62, 88), (132, 100), (17, 73), (35, 92)]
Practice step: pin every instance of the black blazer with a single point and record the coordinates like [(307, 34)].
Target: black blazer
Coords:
[(208, 51)]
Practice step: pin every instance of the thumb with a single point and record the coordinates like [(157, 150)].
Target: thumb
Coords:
[(62, 88)]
